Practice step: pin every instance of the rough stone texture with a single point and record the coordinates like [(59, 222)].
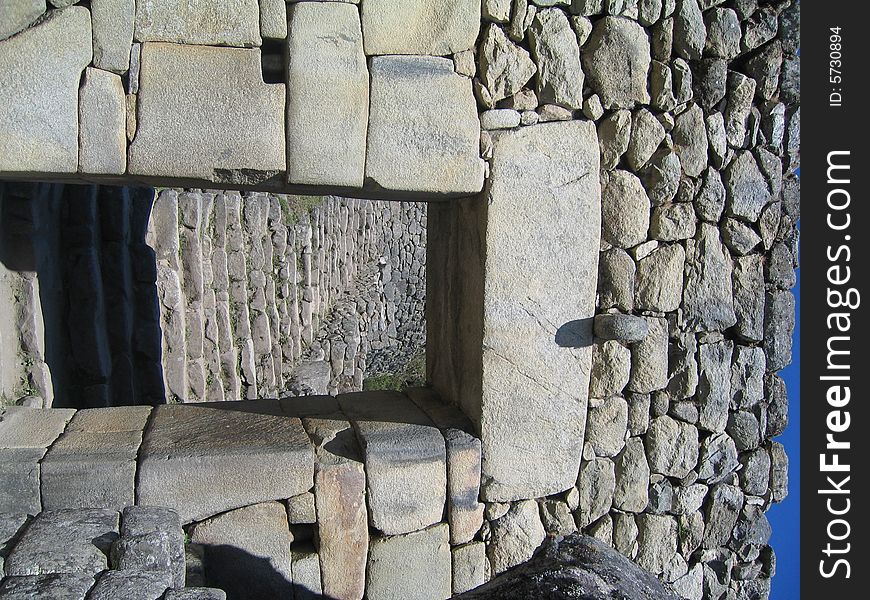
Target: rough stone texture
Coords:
[(779, 321), (248, 551), (718, 458), (646, 135), (423, 559), (470, 566), (102, 124), (611, 368), (39, 93), (724, 504), (632, 477), (616, 60), (151, 538), (614, 134), (515, 536), (547, 377), (19, 480), (328, 95), (132, 585), (465, 513), (672, 447), (273, 19), (649, 363), (707, 298), (582, 566), (424, 131), (662, 176), (113, 22), (690, 33), (746, 187), (710, 200), (18, 15), (622, 328), (714, 384), (233, 23), (84, 535), (624, 209), (690, 140), (195, 594), (436, 27), (54, 586), (504, 67), (233, 125), (659, 285), (557, 55), (595, 485), (188, 463), (606, 425), (723, 33), (657, 541), (28, 428), (339, 493), (670, 223), (741, 91)]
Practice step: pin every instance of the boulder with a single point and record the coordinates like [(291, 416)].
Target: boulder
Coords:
[(616, 59)]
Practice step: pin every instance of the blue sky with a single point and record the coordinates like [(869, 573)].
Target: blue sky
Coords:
[(785, 517)]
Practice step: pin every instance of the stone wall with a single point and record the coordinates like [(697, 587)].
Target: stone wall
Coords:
[(185, 296), (114, 102)]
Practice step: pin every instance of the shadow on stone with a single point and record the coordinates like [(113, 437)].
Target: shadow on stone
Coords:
[(575, 334), (246, 577)]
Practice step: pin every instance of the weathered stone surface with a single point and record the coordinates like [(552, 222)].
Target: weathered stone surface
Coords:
[(616, 60), (779, 269), (90, 470), (234, 125), (339, 494), (614, 134), (755, 474), (328, 95), (746, 187), (649, 362), (724, 504), (273, 19), (436, 27), (465, 513), (155, 527), (690, 140), (515, 536), (632, 477), (470, 566), (195, 594), (554, 47), (188, 463), (110, 420), (741, 91), (622, 328), (500, 118), (233, 23), (64, 541), (306, 571), (723, 33), (672, 447), (504, 67), (646, 135), (497, 10), (135, 585), (710, 200), (707, 297), (405, 461), (709, 81), (689, 499), (673, 222), (662, 176), (595, 485), (690, 33), (714, 384), (606, 425), (624, 209), (423, 127), (611, 368), (747, 373), (102, 124), (577, 565), (659, 285), (39, 91), (718, 458), (657, 541), (739, 237), (22, 427), (683, 373), (539, 174), (421, 558), (55, 586), (556, 516), (248, 551), (19, 480), (779, 321), (113, 22), (777, 408), (18, 15), (744, 428)]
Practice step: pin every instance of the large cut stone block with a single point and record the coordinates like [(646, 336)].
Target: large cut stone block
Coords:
[(437, 27), (424, 133), (91, 470), (328, 97), (19, 480), (130, 585), (230, 127), (65, 541), (46, 587), (528, 399), (405, 461), (340, 501), (113, 33), (22, 427), (39, 93), (225, 23), (205, 459), (248, 551), (102, 124), (110, 420), (416, 566)]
